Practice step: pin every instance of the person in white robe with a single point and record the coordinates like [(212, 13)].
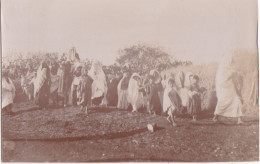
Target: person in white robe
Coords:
[(184, 92), (133, 92), (179, 80), (188, 79), (228, 91), (8, 92), (164, 81), (168, 105), (99, 85), (42, 85), (122, 92), (77, 67)]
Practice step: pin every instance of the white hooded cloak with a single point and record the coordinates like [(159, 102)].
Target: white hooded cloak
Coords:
[(8, 92), (134, 96), (229, 102), (99, 85)]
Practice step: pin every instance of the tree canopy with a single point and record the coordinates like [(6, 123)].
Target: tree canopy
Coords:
[(143, 58)]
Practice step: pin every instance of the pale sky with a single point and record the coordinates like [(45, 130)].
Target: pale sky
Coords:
[(196, 30)]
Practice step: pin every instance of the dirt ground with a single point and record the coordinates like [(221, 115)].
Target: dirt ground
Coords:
[(112, 135)]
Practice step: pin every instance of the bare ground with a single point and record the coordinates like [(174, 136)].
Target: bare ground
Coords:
[(112, 135)]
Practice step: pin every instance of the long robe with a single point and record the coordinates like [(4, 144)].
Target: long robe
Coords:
[(54, 87), (99, 85), (179, 80), (112, 96), (171, 99), (153, 98), (229, 98), (194, 103), (84, 90), (158, 88), (8, 92), (65, 80), (134, 96), (187, 82), (42, 88), (166, 100), (122, 93)]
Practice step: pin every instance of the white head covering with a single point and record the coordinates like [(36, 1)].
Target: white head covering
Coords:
[(133, 92), (99, 85), (156, 75), (188, 78), (179, 79), (96, 71)]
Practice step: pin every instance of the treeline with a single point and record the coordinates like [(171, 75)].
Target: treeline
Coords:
[(137, 58)]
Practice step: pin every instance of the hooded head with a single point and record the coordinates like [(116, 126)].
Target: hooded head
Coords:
[(156, 76), (226, 61), (170, 82)]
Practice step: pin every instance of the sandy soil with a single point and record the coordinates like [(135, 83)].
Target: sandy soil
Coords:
[(111, 135)]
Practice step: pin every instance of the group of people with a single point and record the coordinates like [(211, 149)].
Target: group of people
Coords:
[(73, 83)]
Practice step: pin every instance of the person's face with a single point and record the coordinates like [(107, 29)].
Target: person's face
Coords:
[(195, 81), (171, 84)]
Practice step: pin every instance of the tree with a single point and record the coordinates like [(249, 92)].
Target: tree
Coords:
[(142, 58)]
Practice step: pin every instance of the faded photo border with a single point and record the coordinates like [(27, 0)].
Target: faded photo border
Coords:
[(258, 39)]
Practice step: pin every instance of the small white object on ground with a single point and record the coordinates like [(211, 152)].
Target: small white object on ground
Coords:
[(151, 127)]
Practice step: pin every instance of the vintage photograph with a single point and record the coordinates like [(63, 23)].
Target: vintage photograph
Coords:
[(129, 81)]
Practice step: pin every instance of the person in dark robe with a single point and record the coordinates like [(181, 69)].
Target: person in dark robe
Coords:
[(154, 104), (112, 96), (54, 85), (43, 85), (65, 80), (194, 103)]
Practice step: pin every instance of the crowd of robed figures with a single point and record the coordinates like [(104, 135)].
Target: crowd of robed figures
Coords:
[(72, 83)]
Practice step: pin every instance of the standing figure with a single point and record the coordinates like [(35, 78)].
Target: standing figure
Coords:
[(171, 100), (164, 81), (152, 90), (65, 80), (184, 92), (25, 86), (228, 90), (194, 103), (8, 92), (158, 88), (99, 85), (179, 80), (84, 90), (133, 92), (54, 85), (42, 86), (122, 92), (112, 95), (77, 67)]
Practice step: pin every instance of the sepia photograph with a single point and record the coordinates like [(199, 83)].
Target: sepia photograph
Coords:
[(129, 81)]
